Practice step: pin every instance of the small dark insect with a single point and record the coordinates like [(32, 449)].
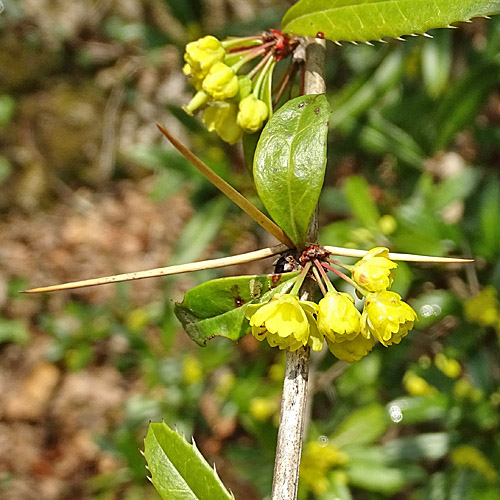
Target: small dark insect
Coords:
[(287, 262), (320, 34)]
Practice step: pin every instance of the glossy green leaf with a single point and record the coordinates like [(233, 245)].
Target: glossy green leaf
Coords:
[(364, 20), (487, 242), (431, 446), (178, 470), (289, 163), (376, 477), (357, 192), (217, 308), (361, 95), (433, 306), (437, 57), (419, 409), (362, 426), (460, 104)]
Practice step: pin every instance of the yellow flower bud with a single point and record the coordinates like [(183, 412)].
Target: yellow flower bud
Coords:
[(202, 54), (484, 307), (338, 318), (253, 112), (386, 318), (263, 408), (221, 117), (450, 367), (282, 321), (468, 456), (374, 271), (351, 350), (199, 99), (191, 370), (221, 82), (317, 461), (417, 386)]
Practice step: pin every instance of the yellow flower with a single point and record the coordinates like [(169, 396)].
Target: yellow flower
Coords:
[(221, 117), (450, 367), (191, 370), (417, 386), (463, 389), (263, 408), (221, 82), (201, 55), (285, 321), (468, 456), (316, 461), (386, 318), (252, 114), (351, 350), (374, 271), (338, 318), (484, 307)]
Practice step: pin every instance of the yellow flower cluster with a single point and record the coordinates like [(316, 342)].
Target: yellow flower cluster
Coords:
[(231, 104), (317, 460), (484, 308), (287, 322), (468, 456)]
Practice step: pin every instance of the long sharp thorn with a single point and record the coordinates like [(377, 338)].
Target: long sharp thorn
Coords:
[(166, 271), (228, 190), (349, 252)]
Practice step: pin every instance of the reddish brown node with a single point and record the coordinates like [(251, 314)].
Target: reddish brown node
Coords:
[(313, 252), (320, 34)]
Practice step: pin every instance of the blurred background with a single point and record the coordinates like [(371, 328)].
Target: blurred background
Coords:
[(89, 188)]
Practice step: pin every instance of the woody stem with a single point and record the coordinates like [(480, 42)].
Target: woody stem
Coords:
[(294, 409)]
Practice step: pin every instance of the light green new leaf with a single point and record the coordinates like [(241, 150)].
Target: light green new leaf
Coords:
[(364, 20), (178, 470), (217, 308), (289, 163)]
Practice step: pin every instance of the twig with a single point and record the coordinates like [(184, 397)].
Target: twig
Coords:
[(229, 191), (295, 385)]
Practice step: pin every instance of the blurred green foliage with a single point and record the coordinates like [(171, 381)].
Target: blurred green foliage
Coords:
[(413, 165)]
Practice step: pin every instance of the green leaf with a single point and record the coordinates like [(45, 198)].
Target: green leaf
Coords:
[(431, 446), (487, 242), (437, 57), (357, 192), (362, 426), (178, 469), (460, 104), (360, 96), (217, 308), (433, 306), (364, 20), (289, 163), (13, 331), (376, 477)]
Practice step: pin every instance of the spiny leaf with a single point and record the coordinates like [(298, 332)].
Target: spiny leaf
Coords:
[(364, 20), (178, 469)]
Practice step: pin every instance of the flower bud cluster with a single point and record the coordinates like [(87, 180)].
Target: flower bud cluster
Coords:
[(233, 103), (287, 322)]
